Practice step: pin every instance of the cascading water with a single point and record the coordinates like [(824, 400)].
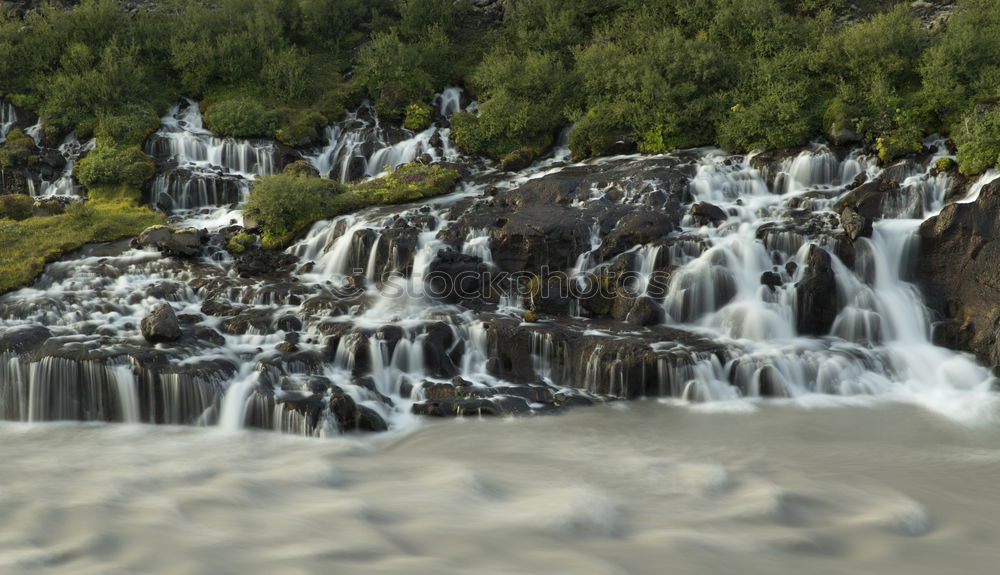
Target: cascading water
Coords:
[(359, 146), (8, 117), (356, 336), (198, 169)]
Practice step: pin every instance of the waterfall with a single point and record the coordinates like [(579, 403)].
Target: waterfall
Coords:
[(128, 393), (235, 404), (8, 117)]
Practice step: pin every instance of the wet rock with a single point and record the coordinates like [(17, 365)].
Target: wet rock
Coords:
[(771, 280), (209, 335), (640, 226), (161, 325), (645, 311), (817, 303), (185, 242), (454, 276), (22, 340), (705, 213), (959, 274), (855, 225), (369, 420)]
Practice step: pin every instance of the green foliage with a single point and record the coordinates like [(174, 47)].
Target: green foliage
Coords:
[(944, 165), (301, 127), (240, 117), (526, 96), (285, 204), (17, 151), (128, 127), (418, 117), (16, 207), (518, 159), (596, 132), (978, 139), (398, 73), (110, 165)]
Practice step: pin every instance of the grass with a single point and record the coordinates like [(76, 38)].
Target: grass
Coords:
[(31, 243)]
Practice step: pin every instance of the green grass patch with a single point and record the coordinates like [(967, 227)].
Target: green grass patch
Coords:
[(31, 243)]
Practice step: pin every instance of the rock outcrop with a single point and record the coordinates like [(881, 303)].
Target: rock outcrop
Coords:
[(959, 271)]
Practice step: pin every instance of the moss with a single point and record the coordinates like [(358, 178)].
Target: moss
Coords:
[(240, 242), (408, 183), (18, 150), (530, 316), (31, 243), (893, 147), (16, 207), (518, 159), (944, 165), (418, 117), (112, 166)]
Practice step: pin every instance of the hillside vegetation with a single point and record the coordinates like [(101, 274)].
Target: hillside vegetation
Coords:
[(656, 74)]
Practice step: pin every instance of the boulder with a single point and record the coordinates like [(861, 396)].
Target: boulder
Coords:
[(705, 213), (161, 325), (959, 274), (816, 294), (185, 242)]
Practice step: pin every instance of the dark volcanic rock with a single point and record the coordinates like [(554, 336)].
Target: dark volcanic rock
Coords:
[(705, 213), (959, 271), (817, 302), (184, 242), (161, 325)]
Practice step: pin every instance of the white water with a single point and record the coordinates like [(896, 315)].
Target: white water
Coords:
[(8, 117)]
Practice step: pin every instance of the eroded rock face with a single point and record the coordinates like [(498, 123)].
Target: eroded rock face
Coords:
[(817, 303), (161, 325), (959, 272)]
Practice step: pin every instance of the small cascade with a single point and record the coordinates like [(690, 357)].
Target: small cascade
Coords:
[(238, 402), (64, 185), (198, 169), (8, 117), (128, 393), (358, 146)]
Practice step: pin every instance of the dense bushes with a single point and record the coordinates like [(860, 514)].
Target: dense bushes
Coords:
[(286, 203), (17, 151), (111, 165), (654, 75)]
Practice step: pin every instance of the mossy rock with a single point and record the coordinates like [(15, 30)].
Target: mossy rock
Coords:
[(418, 117)]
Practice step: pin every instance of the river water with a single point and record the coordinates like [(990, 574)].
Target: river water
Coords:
[(647, 487)]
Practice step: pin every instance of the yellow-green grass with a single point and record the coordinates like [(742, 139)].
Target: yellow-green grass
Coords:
[(27, 245)]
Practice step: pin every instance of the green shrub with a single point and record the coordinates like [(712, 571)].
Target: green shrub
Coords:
[(300, 128), (16, 206), (81, 214), (284, 204), (129, 127), (397, 72), (240, 117), (301, 168), (110, 165), (596, 132), (944, 165), (17, 151), (978, 140), (418, 117), (518, 159)]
